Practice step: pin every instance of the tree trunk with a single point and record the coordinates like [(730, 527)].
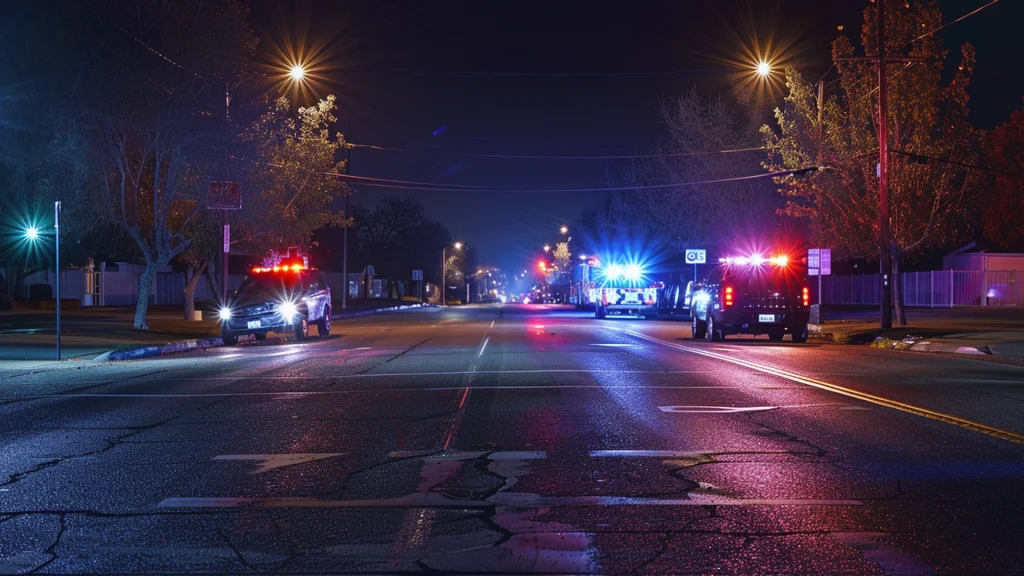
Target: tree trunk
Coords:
[(145, 285), (192, 274), (897, 284)]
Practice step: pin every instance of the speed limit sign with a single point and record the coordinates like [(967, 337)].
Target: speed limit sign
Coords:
[(694, 256)]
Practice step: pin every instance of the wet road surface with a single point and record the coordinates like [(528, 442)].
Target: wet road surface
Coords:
[(514, 440)]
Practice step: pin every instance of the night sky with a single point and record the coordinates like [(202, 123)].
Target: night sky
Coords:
[(561, 78)]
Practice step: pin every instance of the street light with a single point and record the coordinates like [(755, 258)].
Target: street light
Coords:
[(547, 248), (32, 234), (564, 229), (444, 272), (763, 68), (297, 73)]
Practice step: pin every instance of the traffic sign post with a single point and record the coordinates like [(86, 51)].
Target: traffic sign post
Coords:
[(696, 256), (417, 276), (819, 263), (225, 196)]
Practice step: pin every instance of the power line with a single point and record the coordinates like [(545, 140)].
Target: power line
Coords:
[(491, 74), (549, 157), (971, 13), (440, 187)]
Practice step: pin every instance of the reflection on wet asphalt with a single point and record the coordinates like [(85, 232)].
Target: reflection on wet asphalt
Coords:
[(536, 440)]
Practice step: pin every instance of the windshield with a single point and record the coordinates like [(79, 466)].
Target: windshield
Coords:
[(268, 287)]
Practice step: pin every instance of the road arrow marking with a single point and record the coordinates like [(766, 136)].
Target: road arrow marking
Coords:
[(272, 461)]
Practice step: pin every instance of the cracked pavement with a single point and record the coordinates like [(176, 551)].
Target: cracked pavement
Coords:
[(515, 440)]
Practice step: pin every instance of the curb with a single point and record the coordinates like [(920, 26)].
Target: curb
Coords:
[(162, 350), (204, 343), (949, 348)]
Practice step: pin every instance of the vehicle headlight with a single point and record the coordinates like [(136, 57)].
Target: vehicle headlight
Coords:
[(225, 313), (287, 310)]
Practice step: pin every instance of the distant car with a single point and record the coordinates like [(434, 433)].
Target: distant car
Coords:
[(285, 299), (752, 295), (674, 299)]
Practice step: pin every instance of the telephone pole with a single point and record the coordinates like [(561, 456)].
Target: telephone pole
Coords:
[(884, 236)]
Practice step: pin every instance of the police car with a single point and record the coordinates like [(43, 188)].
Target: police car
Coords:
[(754, 295), (287, 298)]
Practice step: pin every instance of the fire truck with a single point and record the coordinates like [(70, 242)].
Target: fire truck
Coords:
[(614, 289)]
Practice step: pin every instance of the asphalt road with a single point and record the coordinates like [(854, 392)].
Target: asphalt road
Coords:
[(514, 440)]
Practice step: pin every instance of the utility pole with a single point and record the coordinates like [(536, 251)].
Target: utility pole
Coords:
[(348, 198), (884, 236), (883, 177)]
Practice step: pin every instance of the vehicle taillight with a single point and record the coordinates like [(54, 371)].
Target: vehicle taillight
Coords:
[(728, 295), (807, 296)]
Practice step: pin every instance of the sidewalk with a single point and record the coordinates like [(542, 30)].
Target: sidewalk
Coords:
[(28, 337), (981, 330)]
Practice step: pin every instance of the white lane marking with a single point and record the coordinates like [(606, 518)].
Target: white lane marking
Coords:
[(423, 374), (516, 499), (273, 461), (734, 409), (492, 323), (616, 345), (434, 456), (233, 355), (398, 390), (483, 347), (680, 453)]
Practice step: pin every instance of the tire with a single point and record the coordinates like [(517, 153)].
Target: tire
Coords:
[(775, 336), (229, 338), (260, 336), (713, 334), (698, 329), (302, 330), (323, 326), (800, 334)]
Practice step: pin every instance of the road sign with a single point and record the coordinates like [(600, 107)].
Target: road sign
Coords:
[(225, 196), (227, 238), (694, 256), (819, 261), (417, 275)]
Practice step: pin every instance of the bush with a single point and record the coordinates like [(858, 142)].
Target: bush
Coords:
[(40, 292), (454, 302), (841, 338), (412, 299), (6, 302)]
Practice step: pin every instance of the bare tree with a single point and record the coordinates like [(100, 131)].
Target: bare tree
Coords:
[(156, 119)]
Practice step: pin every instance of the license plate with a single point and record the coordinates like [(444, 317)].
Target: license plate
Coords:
[(254, 324), (766, 318)]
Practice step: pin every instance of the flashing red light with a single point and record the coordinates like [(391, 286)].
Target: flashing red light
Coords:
[(728, 295), (542, 265), (807, 296)]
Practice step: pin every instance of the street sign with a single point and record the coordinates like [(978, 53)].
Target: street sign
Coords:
[(227, 238), (694, 256), (819, 261), (417, 275), (225, 196)]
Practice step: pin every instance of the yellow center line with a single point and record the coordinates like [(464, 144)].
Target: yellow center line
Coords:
[(844, 391)]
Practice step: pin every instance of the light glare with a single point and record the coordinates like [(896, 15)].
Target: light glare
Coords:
[(32, 233)]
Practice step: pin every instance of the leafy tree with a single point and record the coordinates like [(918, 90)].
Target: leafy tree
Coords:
[(397, 237), (1004, 211), (927, 119), (291, 180), (561, 256)]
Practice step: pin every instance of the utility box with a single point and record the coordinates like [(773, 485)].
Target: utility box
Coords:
[(817, 315)]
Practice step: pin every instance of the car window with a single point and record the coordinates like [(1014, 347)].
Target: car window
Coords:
[(270, 287), (314, 283)]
